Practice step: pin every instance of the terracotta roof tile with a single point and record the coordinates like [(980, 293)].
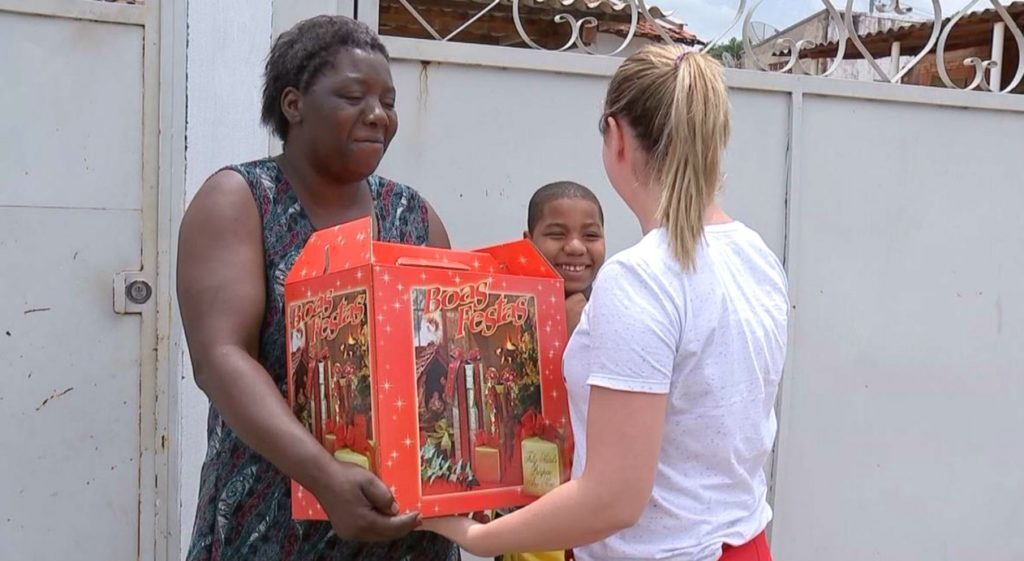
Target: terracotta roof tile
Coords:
[(647, 30)]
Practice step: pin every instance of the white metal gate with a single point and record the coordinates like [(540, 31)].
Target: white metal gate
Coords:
[(81, 433)]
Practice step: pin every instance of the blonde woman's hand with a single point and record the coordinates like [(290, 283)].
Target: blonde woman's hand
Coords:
[(462, 530)]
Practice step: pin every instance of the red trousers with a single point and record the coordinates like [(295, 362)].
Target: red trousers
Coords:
[(754, 550)]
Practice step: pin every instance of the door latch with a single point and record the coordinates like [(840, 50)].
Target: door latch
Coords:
[(131, 292)]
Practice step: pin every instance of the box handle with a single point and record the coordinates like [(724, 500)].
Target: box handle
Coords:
[(416, 262)]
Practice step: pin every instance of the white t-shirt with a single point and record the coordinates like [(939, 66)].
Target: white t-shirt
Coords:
[(714, 340)]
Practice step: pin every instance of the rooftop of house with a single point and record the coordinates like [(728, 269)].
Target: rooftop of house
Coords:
[(676, 31), (494, 23), (974, 29)]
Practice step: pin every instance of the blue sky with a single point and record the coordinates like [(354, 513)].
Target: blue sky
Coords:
[(707, 18)]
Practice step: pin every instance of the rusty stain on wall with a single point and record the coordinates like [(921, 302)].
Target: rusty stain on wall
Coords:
[(424, 84)]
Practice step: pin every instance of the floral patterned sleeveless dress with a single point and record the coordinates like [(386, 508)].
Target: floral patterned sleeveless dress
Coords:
[(244, 510)]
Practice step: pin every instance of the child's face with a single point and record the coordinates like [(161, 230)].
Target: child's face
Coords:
[(571, 237)]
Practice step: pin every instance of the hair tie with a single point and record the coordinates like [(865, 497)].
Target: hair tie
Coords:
[(681, 57)]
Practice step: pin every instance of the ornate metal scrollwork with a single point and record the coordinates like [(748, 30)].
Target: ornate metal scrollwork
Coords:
[(982, 67), (793, 48)]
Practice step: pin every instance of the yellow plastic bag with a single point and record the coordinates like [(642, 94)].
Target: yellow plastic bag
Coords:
[(541, 556)]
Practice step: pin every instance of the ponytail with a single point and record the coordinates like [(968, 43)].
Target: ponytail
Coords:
[(688, 167), (677, 104)]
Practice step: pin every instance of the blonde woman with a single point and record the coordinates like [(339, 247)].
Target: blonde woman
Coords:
[(673, 370)]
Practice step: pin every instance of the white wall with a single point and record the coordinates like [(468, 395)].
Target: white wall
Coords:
[(227, 43), (478, 141), (904, 396)]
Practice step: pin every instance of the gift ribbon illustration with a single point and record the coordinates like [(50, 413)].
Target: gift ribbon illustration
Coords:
[(484, 438), (317, 354), (458, 358), (314, 355), (453, 369), (534, 424), (442, 436), (351, 436)]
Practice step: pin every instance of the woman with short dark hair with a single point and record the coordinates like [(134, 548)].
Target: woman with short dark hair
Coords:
[(330, 97)]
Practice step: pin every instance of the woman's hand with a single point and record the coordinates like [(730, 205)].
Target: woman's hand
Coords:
[(360, 507), (465, 532)]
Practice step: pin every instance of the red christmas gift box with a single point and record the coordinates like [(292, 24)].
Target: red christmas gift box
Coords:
[(439, 370)]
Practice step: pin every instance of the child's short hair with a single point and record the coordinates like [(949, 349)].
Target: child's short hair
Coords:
[(558, 191)]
